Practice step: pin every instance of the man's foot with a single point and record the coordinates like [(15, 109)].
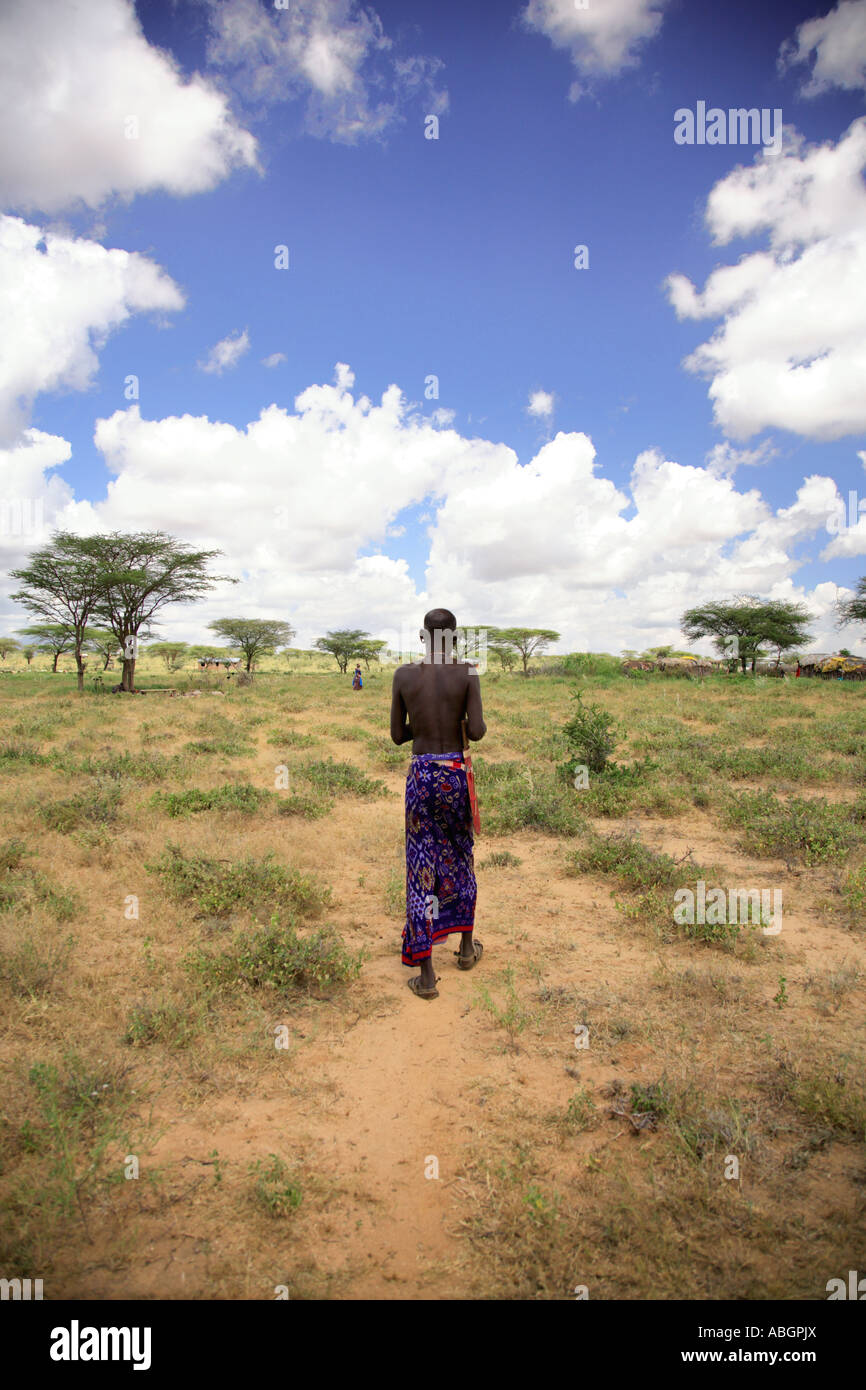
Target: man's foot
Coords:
[(417, 986), (467, 960)]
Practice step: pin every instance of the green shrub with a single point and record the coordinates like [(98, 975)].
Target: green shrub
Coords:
[(854, 892), (228, 747), (12, 853), (591, 734), (233, 796), (32, 970), (220, 888), (518, 796), (341, 779), (288, 738), (501, 859), (163, 1022), (138, 767), (99, 804), (275, 1188), (22, 754), (627, 859), (814, 831), (278, 957)]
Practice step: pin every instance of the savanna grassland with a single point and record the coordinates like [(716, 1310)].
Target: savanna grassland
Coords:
[(217, 1085)]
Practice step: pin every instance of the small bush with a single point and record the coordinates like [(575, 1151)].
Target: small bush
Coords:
[(501, 859), (164, 1022), (12, 853), (227, 747), (22, 754), (30, 970), (276, 1190), (341, 779), (282, 738), (278, 957), (220, 888), (628, 859), (854, 892), (516, 796), (233, 796), (99, 804), (813, 831), (591, 734), (138, 767)]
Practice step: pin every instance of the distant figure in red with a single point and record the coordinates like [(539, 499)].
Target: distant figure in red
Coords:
[(357, 683)]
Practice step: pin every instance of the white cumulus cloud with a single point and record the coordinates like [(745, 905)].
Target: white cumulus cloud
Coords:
[(227, 353), (89, 109), (791, 350), (602, 38), (333, 54), (541, 404), (293, 500), (837, 42), (60, 298)]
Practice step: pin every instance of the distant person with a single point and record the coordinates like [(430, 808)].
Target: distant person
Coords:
[(429, 701), (357, 682)]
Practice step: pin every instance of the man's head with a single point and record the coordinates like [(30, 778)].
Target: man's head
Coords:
[(439, 633), (439, 620)]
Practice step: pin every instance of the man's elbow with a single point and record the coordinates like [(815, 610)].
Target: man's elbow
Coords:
[(477, 731)]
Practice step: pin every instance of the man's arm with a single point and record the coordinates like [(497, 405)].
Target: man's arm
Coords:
[(401, 729), (475, 726)]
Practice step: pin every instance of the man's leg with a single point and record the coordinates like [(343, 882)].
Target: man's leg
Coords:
[(428, 974)]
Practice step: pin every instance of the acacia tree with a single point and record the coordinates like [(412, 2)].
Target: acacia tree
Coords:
[(853, 610), (52, 638), (141, 573), (62, 582), (255, 637), (344, 645), (174, 654), (370, 650), (7, 645), (102, 642), (750, 622), (507, 655), (28, 653), (524, 641)]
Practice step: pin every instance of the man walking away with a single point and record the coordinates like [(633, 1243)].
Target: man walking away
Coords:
[(429, 701)]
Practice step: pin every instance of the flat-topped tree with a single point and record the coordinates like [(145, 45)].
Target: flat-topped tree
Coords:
[(52, 638), (7, 645), (141, 573), (525, 642), (853, 610), (344, 645), (749, 622), (61, 582), (173, 654), (255, 637), (370, 650)]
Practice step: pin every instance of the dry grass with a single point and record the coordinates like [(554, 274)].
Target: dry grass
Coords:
[(583, 1093)]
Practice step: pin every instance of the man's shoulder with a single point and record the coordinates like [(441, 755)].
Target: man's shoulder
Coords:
[(405, 668)]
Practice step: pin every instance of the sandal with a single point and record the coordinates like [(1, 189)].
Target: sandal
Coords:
[(415, 985), (463, 963)]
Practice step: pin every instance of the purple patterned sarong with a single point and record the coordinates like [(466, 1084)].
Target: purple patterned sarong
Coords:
[(440, 878)]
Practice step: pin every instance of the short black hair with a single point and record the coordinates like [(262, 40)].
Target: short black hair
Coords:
[(440, 619)]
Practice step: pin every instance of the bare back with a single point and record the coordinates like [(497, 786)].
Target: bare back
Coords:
[(428, 702)]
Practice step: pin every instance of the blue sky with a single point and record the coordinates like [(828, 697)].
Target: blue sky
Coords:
[(454, 257)]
